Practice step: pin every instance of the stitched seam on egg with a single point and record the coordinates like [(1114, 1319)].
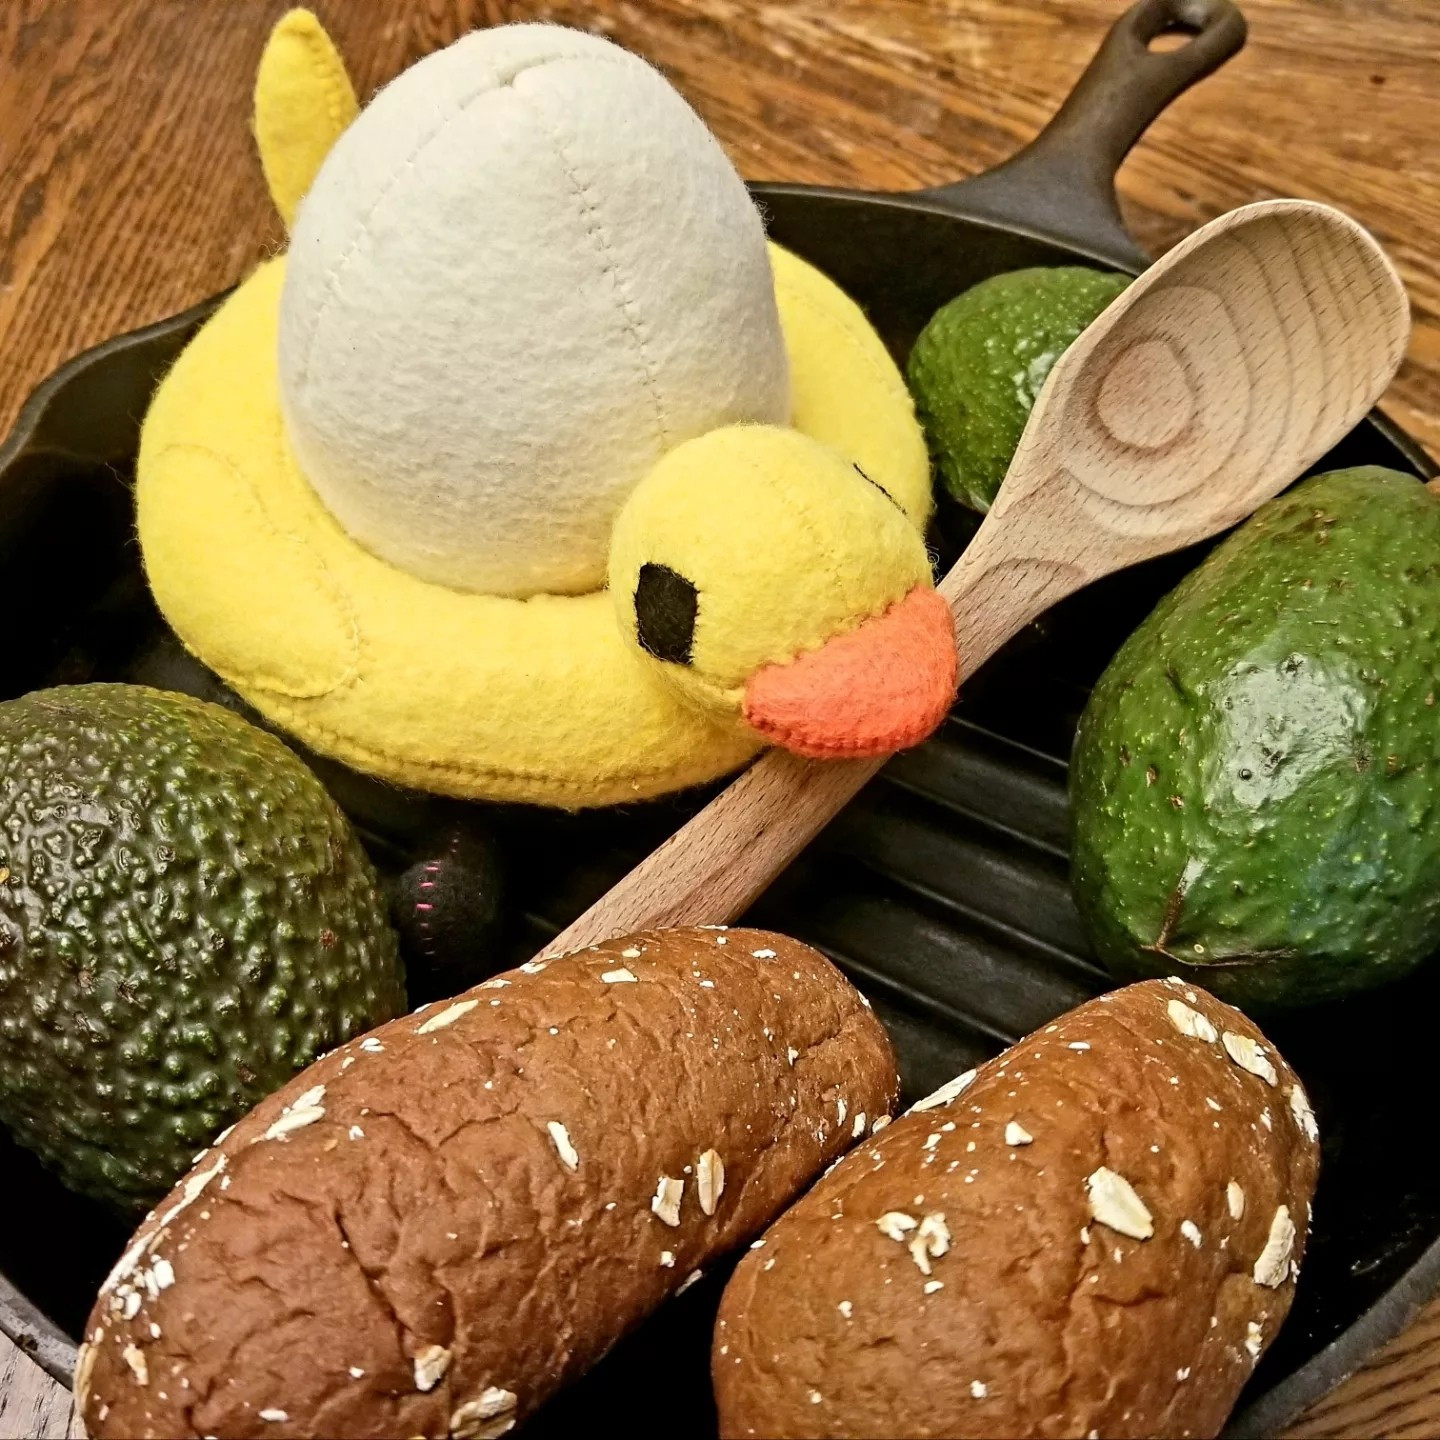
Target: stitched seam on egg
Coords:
[(495, 81), (631, 321), (329, 584)]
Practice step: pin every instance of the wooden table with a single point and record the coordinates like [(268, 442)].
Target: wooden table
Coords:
[(128, 190)]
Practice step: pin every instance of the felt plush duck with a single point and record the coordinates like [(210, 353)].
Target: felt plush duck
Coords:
[(530, 471)]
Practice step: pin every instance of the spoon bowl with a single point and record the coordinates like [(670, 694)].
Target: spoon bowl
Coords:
[(1205, 388)]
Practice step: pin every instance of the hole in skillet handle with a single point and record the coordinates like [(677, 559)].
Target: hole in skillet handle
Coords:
[(1172, 26), (1175, 38), (1061, 186)]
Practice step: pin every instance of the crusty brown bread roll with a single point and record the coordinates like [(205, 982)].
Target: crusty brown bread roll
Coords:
[(436, 1226), (1097, 1233)]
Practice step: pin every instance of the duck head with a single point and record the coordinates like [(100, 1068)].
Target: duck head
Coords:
[(775, 585)]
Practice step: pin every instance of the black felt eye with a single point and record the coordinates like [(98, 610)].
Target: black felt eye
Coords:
[(665, 605)]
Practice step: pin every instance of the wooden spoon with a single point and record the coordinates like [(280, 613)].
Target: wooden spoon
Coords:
[(1216, 379)]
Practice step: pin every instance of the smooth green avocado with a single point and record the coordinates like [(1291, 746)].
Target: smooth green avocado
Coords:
[(1256, 778), (186, 920), (979, 364)]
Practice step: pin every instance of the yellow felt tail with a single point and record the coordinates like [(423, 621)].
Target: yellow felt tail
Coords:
[(303, 100)]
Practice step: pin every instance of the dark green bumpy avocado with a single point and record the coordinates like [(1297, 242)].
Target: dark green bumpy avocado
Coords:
[(979, 364), (1256, 778), (186, 920)]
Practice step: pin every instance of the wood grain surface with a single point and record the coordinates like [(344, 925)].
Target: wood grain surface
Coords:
[(128, 190), (31, 1403)]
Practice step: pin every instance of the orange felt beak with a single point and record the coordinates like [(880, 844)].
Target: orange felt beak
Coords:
[(883, 686)]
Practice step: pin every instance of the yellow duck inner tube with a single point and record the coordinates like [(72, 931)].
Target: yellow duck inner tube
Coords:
[(540, 700)]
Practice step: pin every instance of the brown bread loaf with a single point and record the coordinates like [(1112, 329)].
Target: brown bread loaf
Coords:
[(1097, 1233), (436, 1226)]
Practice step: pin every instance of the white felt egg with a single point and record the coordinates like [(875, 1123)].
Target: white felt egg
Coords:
[(525, 273)]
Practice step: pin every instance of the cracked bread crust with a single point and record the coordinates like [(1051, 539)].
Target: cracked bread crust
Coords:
[(1091, 1235), (436, 1226)]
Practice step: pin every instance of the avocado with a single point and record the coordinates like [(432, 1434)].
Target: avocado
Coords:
[(186, 920), (978, 365), (1255, 783)]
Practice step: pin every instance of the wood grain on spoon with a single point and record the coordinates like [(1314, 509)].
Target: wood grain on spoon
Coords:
[(1215, 380)]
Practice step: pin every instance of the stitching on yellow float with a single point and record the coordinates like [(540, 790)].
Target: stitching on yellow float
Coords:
[(327, 582)]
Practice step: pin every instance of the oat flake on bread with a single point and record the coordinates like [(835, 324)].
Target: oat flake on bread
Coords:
[(1120, 1274)]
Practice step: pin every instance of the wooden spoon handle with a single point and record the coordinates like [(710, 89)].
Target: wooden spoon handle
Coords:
[(993, 592), (709, 870)]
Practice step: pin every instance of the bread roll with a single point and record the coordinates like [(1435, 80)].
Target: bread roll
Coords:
[(438, 1225), (1097, 1233)]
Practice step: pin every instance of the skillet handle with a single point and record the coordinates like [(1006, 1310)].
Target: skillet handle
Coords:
[(1063, 182)]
